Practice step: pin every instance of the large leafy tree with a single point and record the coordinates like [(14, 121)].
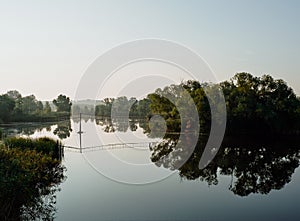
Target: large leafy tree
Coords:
[(143, 108), (63, 103), (104, 110), (29, 104), (7, 106), (260, 103)]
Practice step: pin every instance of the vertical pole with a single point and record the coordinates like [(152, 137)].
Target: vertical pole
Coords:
[(80, 132), (80, 123)]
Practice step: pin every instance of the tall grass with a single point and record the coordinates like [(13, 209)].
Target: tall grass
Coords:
[(43, 145)]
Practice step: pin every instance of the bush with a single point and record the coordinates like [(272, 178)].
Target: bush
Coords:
[(41, 145), (26, 176)]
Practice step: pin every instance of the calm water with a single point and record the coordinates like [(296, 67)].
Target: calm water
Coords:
[(124, 184)]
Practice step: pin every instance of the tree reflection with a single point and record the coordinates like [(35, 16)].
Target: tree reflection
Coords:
[(119, 124), (106, 124), (63, 129), (256, 165), (25, 128), (40, 208)]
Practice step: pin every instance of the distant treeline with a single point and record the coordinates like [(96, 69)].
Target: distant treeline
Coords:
[(121, 106), (86, 107), (254, 105), (15, 108)]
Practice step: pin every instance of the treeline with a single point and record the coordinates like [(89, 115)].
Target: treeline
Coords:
[(86, 107), (15, 108), (261, 104), (122, 107), (254, 105)]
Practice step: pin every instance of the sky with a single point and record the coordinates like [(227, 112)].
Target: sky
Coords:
[(46, 46)]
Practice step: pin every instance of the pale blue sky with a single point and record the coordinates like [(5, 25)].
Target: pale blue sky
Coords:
[(45, 46)]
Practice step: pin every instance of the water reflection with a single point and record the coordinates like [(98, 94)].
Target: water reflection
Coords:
[(62, 129), (256, 165), (11, 130), (120, 124), (106, 124), (40, 206)]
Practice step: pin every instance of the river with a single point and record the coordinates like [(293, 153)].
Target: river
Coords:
[(125, 184)]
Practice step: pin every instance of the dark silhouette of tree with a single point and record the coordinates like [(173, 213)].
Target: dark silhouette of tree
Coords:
[(257, 165), (7, 105), (63, 103), (260, 104)]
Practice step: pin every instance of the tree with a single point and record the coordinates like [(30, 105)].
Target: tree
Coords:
[(257, 104), (143, 108), (7, 105), (40, 107), (15, 95), (47, 108), (29, 105), (121, 107), (63, 103), (104, 110), (133, 103)]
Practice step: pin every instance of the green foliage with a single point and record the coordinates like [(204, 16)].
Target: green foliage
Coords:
[(160, 104), (143, 108), (43, 145), (260, 104), (104, 110), (121, 106), (63, 103), (7, 105), (29, 105), (254, 105), (28, 172), (15, 108)]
